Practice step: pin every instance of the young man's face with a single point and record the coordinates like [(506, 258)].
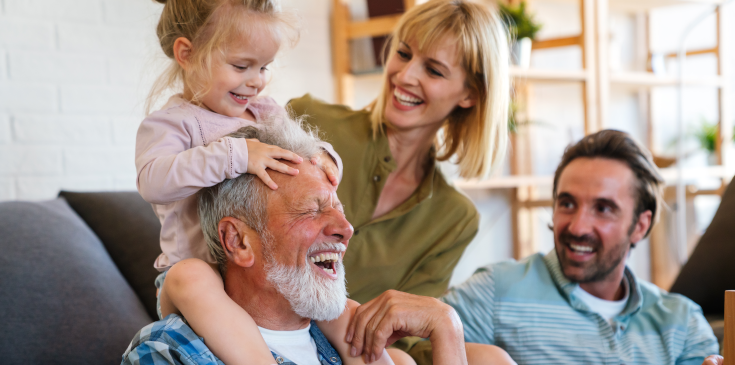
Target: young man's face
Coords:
[(594, 223)]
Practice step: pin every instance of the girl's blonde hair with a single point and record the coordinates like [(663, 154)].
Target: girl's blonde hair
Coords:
[(478, 136), (211, 26)]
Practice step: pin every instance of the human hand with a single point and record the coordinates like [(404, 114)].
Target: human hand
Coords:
[(714, 360), (325, 162), (393, 315), (263, 156)]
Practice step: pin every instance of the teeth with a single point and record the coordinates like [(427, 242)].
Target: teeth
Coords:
[(581, 248), (406, 100), (328, 271), (241, 97), (323, 257)]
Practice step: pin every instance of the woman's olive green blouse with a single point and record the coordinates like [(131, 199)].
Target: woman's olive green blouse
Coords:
[(414, 247)]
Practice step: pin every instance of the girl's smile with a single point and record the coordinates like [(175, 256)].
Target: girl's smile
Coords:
[(240, 99)]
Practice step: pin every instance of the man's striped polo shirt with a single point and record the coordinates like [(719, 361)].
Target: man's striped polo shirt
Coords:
[(528, 309)]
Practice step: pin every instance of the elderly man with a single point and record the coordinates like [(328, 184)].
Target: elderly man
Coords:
[(580, 304), (280, 253)]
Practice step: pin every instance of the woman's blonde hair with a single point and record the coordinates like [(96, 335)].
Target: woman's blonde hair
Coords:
[(211, 26), (478, 135)]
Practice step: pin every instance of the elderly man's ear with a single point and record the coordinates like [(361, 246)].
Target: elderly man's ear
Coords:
[(237, 239)]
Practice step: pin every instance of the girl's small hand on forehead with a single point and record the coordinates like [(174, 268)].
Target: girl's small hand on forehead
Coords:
[(325, 162), (263, 156)]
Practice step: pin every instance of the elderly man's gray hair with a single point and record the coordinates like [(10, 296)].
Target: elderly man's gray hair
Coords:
[(244, 197)]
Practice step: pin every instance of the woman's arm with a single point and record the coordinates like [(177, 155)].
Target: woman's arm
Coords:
[(392, 315)]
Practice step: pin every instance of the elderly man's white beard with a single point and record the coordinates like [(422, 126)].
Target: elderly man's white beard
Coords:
[(310, 294)]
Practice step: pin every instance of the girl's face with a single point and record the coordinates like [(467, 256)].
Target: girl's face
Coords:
[(240, 75), (425, 87)]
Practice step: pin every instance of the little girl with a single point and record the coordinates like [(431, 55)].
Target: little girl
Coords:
[(220, 50)]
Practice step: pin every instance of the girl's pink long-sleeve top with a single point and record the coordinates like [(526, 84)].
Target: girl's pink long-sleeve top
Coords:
[(181, 149)]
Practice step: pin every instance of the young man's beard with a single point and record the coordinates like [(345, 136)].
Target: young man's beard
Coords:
[(598, 270), (310, 294)]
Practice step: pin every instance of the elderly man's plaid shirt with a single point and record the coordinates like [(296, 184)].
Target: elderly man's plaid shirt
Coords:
[(172, 341)]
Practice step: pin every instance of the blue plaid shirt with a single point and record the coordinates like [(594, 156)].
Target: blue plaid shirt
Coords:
[(172, 341)]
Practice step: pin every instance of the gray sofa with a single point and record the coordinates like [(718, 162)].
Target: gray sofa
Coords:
[(76, 277)]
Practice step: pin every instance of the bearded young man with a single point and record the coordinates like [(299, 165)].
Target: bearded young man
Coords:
[(580, 304)]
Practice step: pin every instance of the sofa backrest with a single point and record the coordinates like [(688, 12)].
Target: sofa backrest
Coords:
[(710, 269), (129, 230), (62, 299)]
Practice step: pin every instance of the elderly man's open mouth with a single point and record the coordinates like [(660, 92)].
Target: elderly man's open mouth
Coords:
[(326, 261)]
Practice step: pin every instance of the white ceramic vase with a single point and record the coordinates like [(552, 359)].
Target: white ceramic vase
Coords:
[(521, 56)]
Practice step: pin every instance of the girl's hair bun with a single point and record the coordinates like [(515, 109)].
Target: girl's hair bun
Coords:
[(161, 1)]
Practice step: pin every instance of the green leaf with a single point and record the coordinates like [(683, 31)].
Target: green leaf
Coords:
[(520, 23)]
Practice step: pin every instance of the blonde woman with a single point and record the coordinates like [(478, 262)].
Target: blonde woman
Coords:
[(445, 96)]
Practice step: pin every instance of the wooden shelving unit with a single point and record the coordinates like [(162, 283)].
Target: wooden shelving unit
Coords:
[(596, 79), (524, 185), (343, 31)]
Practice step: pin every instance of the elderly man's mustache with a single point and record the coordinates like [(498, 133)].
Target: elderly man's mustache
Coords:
[(327, 246)]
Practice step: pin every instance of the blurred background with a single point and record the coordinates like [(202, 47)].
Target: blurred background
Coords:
[(74, 75)]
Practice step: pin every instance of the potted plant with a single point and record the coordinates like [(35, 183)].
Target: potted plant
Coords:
[(706, 135), (522, 29)]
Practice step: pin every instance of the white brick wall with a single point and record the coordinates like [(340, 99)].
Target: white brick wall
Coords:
[(3, 65), (22, 33), (72, 90), (87, 11), (79, 130), (74, 75), (7, 189), (56, 67), (4, 129)]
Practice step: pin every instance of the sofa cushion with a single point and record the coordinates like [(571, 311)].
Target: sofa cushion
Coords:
[(710, 269), (130, 231), (62, 298)]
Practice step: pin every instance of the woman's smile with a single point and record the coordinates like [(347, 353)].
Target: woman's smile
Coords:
[(405, 99)]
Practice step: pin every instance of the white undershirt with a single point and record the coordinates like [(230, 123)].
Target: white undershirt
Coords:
[(607, 309), (297, 346)]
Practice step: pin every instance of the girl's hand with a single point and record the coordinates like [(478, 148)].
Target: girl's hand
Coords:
[(263, 156), (325, 162)]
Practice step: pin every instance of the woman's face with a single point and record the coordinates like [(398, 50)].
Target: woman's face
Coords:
[(425, 87)]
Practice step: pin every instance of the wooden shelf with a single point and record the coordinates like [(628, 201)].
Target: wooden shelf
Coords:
[(644, 5), (505, 182), (515, 181), (549, 75), (636, 79), (669, 173), (515, 72), (648, 79)]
